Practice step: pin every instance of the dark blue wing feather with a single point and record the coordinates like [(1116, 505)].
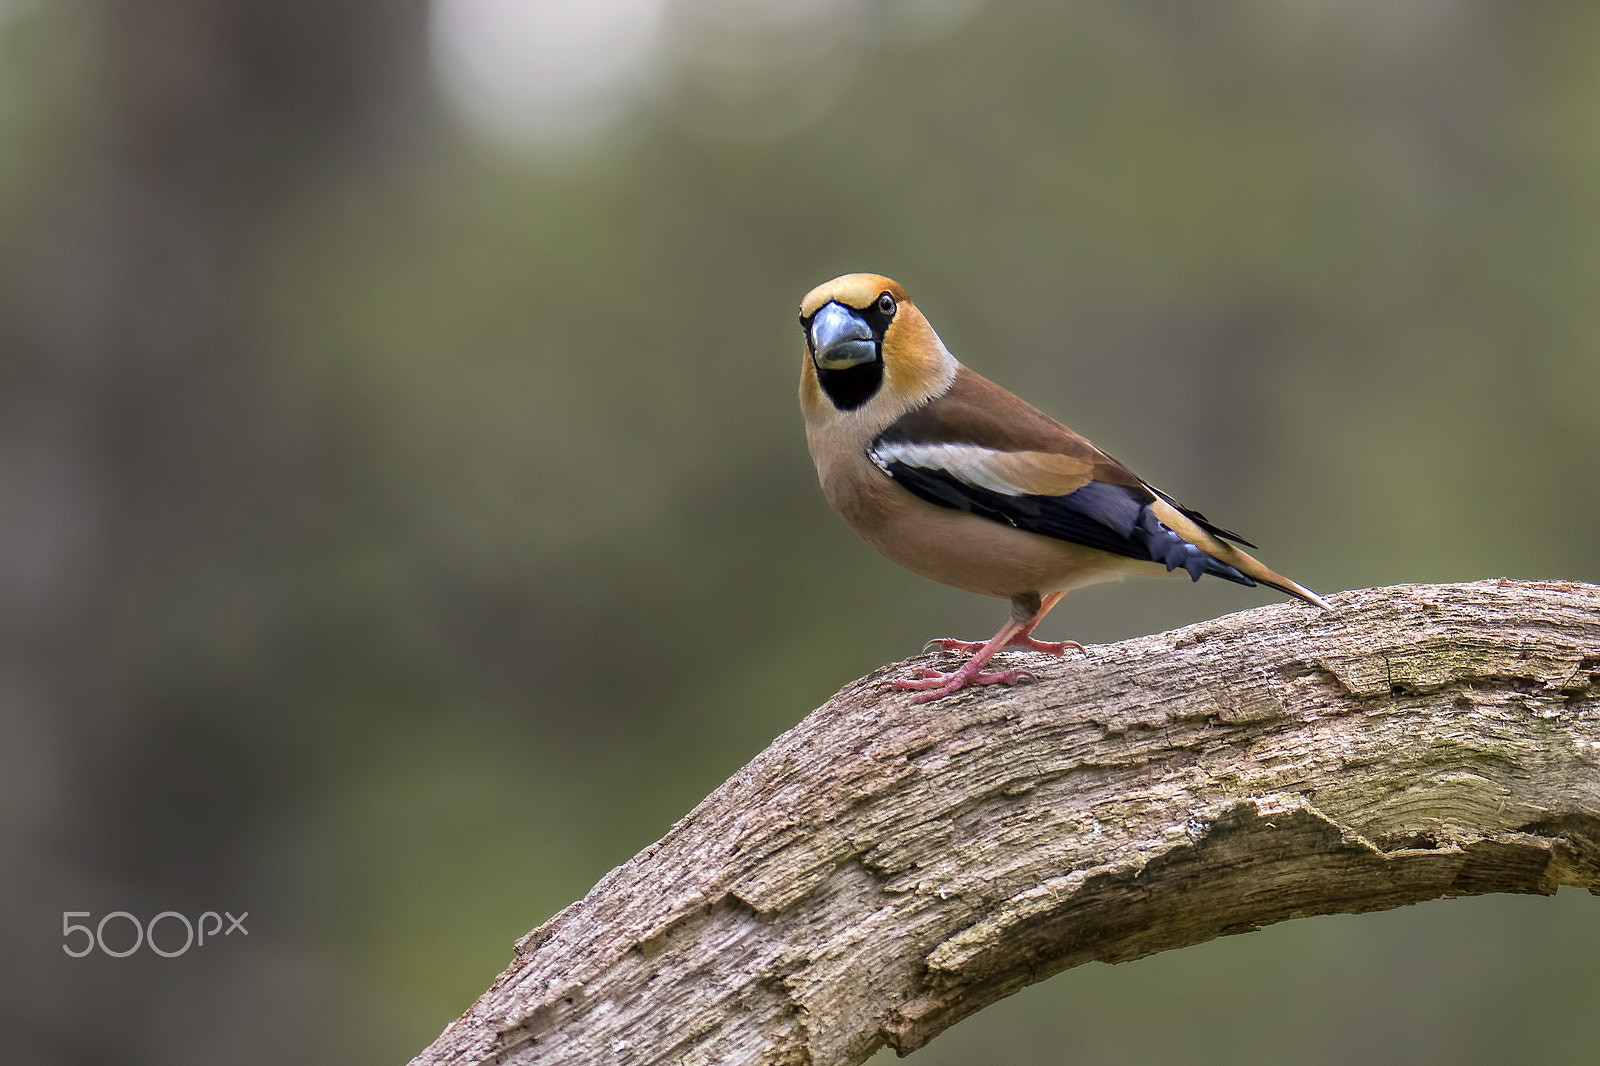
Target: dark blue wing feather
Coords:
[(1112, 518)]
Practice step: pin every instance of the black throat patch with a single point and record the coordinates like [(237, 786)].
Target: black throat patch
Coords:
[(850, 388)]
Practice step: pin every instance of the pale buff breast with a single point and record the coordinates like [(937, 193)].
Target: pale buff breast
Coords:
[(958, 548)]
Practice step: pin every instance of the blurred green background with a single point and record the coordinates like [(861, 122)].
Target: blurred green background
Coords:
[(407, 514)]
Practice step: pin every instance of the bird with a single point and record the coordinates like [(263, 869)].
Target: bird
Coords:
[(958, 480)]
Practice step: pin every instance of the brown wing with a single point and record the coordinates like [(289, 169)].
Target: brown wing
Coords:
[(974, 410), (978, 448)]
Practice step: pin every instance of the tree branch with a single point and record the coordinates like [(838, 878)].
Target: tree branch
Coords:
[(882, 871)]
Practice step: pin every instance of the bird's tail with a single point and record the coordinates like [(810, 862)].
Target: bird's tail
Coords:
[(1202, 537), (1249, 564)]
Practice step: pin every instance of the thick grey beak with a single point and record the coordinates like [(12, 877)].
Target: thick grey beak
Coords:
[(840, 338)]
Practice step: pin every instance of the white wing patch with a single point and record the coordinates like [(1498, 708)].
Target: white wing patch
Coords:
[(1008, 473)]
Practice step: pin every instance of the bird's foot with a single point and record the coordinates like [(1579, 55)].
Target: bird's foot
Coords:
[(937, 684), (1052, 647)]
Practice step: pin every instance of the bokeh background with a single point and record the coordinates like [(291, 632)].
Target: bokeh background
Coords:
[(406, 510)]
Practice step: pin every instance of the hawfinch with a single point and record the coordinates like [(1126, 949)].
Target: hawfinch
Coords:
[(954, 478)]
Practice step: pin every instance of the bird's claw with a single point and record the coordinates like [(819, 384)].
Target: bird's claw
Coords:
[(936, 684), (951, 644), (1049, 647), (922, 679)]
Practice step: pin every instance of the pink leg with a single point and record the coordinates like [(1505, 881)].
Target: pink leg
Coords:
[(1023, 639), (936, 684)]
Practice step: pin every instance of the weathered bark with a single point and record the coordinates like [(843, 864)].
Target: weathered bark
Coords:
[(883, 870)]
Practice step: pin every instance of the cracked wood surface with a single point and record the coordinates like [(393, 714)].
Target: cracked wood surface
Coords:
[(882, 871)]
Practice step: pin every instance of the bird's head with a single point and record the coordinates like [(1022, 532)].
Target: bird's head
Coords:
[(866, 340)]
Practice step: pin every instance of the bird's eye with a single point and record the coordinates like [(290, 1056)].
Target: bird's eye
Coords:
[(885, 305)]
